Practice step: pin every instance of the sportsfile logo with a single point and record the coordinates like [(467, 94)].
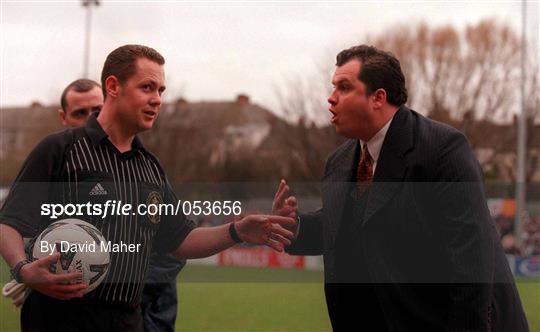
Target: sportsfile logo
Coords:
[(109, 208)]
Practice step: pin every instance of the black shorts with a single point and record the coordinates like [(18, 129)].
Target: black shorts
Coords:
[(42, 313)]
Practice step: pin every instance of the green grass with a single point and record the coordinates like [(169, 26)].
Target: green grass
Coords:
[(529, 292), (251, 299), (244, 299)]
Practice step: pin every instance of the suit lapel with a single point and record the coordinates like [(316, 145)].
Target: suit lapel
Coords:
[(337, 184), (391, 165)]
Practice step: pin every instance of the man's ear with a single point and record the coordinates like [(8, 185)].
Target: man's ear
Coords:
[(62, 116), (378, 98), (112, 86)]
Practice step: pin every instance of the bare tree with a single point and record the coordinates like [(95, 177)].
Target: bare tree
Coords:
[(448, 71), (303, 97)]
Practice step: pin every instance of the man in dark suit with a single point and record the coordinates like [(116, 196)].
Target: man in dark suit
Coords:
[(406, 235)]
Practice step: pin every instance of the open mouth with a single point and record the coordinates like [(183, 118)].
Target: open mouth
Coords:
[(334, 116), (150, 113)]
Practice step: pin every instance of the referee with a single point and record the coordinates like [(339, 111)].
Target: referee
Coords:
[(99, 162), (159, 305)]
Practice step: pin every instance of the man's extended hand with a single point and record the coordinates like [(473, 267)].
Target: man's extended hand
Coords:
[(267, 230), (59, 286), (285, 205)]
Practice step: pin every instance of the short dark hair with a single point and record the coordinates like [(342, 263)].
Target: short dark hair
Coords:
[(122, 62), (80, 85), (379, 70)]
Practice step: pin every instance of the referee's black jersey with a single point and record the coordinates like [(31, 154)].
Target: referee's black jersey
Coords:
[(81, 165)]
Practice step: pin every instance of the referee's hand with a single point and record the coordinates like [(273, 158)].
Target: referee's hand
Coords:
[(267, 230), (59, 286)]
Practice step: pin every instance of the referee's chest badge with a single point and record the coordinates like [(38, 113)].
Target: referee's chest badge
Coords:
[(153, 203)]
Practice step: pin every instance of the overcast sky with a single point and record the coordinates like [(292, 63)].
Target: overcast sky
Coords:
[(213, 50)]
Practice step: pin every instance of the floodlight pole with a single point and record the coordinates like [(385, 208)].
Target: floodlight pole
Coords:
[(521, 139), (86, 61)]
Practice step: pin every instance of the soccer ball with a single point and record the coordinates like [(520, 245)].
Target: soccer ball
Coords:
[(79, 244)]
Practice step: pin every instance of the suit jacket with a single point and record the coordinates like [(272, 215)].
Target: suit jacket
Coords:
[(429, 242)]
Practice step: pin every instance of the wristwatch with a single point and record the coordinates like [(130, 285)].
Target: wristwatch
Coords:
[(16, 271)]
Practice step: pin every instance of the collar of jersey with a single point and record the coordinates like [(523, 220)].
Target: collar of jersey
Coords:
[(98, 136)]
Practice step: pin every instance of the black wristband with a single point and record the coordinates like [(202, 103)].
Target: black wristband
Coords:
[(233, 234), (16, 271)]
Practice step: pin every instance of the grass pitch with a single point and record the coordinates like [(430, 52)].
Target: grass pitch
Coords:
[(252, 299)]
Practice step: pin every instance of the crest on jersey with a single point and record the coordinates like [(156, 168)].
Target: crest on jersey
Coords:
[(152, 204)]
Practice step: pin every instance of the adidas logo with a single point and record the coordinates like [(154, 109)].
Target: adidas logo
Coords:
[(98, 190)]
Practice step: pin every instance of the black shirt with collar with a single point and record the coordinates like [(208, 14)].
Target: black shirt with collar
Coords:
[(81, 165)]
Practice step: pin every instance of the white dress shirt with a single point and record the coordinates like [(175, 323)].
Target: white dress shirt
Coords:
[(374, 145)]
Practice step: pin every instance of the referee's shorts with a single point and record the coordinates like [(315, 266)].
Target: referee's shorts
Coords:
[(43, 313)]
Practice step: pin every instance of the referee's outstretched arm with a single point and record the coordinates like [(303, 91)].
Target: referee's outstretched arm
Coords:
[(253, 229), (201, 242)]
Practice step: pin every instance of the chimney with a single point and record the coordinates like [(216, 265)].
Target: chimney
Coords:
[(242, 99), (180, 104), (181, 101), (36, 104)]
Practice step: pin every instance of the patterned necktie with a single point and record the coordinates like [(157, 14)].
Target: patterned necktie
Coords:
[(364, 174)]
